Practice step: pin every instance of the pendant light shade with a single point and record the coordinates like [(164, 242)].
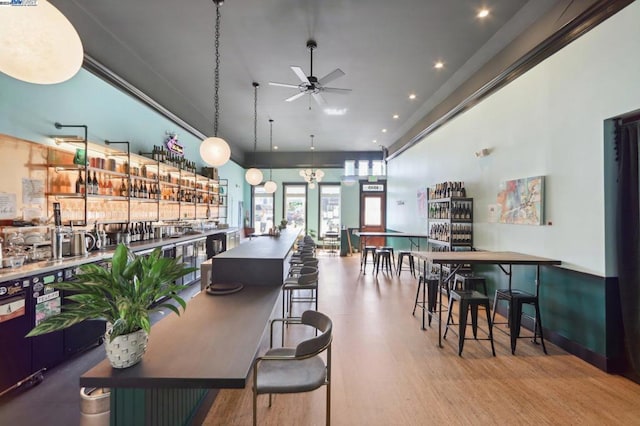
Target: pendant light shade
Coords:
[(253, 176), (270, 186), (214, 150), (39, 44), (312, 176)]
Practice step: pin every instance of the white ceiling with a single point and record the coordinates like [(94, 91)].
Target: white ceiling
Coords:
[(386, 48)]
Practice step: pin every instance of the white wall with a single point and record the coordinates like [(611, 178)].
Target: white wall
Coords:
[(547, 122)]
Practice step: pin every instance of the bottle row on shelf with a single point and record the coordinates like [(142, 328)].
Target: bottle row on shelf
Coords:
[(101, 184), (163, 155), (447, 190), (458, 210), (455, 233)]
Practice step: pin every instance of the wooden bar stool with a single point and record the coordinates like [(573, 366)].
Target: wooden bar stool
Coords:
[(469, 300)]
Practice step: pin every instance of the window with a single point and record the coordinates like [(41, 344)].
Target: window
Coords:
[(329, 208), (363, 167), (349, 168), (295, 205), (378, 168), (262, 209)]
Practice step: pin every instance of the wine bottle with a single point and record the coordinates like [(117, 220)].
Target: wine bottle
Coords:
[(80, 186)]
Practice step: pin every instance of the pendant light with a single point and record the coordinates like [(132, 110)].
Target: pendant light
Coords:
[(312, 176), (39, 44), (254, 175), (215, 151), (270, 186)]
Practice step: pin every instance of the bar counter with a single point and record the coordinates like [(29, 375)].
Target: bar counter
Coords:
[(28, 269), (259, 261), (212, 345)]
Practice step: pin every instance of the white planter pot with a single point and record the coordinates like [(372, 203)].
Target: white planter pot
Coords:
[(127, 350)]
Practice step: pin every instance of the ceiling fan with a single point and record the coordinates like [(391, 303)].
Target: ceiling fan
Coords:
[(311, 85)]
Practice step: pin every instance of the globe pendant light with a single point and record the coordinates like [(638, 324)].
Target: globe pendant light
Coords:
[(270, 186), (215, 151), (254, 175), (311, 176), (39, 44)]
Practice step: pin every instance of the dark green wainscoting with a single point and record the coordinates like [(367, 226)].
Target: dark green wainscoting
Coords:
[(159, 407), (580, 312)]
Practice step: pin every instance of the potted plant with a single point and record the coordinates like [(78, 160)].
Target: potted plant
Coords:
[(124, 295)]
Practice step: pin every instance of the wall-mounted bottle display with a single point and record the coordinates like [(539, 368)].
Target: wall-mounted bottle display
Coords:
[(116, 186), (450, 217)]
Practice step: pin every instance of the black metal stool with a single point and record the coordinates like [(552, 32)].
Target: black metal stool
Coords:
[(383, 257), (393, 255), (469, 299), (365, 255), (470, 282), (412, 265), (429, 296), (515, 299)]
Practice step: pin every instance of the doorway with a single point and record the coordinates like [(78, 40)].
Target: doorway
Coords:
[(373, 203)]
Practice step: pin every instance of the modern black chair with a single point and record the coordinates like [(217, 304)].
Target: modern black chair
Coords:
[(298, 369), (307, 280)]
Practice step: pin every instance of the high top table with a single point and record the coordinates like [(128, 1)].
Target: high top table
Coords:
[(504, 259)]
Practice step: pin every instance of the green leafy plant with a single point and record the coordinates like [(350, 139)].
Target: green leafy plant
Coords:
[(123, 295)]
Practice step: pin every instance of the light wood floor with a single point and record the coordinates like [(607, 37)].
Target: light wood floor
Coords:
[(387, 371)]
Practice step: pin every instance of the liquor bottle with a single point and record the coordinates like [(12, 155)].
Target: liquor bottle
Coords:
[(109, 187), (123, 189), (80, 186), (95, 185)]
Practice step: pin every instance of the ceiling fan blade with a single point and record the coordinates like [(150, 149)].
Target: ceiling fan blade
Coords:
[(331, 76), (319, 99), (298, 71), (293, 86), (335, 90), (294, 97)]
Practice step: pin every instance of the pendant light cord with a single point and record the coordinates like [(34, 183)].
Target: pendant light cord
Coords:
[(217, 71), (255, 121), (270, 146)]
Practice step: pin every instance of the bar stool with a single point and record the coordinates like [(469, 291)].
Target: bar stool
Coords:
[(307, 279), (470, 282), (383, 256), (516, 299), (412, 265), (469, 299), (365, 255), (390, 248), (429, 295)]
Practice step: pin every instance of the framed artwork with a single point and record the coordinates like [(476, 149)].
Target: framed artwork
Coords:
[(521, 201)]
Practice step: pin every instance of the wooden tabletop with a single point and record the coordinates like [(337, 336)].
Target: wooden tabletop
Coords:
[(390, 234), (484, 257), (211, 345)]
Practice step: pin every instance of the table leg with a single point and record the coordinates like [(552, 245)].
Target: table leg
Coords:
[(439, 302)]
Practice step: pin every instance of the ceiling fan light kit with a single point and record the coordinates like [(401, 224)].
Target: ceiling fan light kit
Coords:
[(215, 151), (311, 85)]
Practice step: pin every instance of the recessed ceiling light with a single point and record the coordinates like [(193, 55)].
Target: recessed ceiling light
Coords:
[(384, 130), (375, 141), (412, 96), (396, 116), (313, 148), (438, 65), (483, 13), (275, 147)]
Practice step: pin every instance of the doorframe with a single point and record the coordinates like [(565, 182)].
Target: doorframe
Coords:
[(383, 193)]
